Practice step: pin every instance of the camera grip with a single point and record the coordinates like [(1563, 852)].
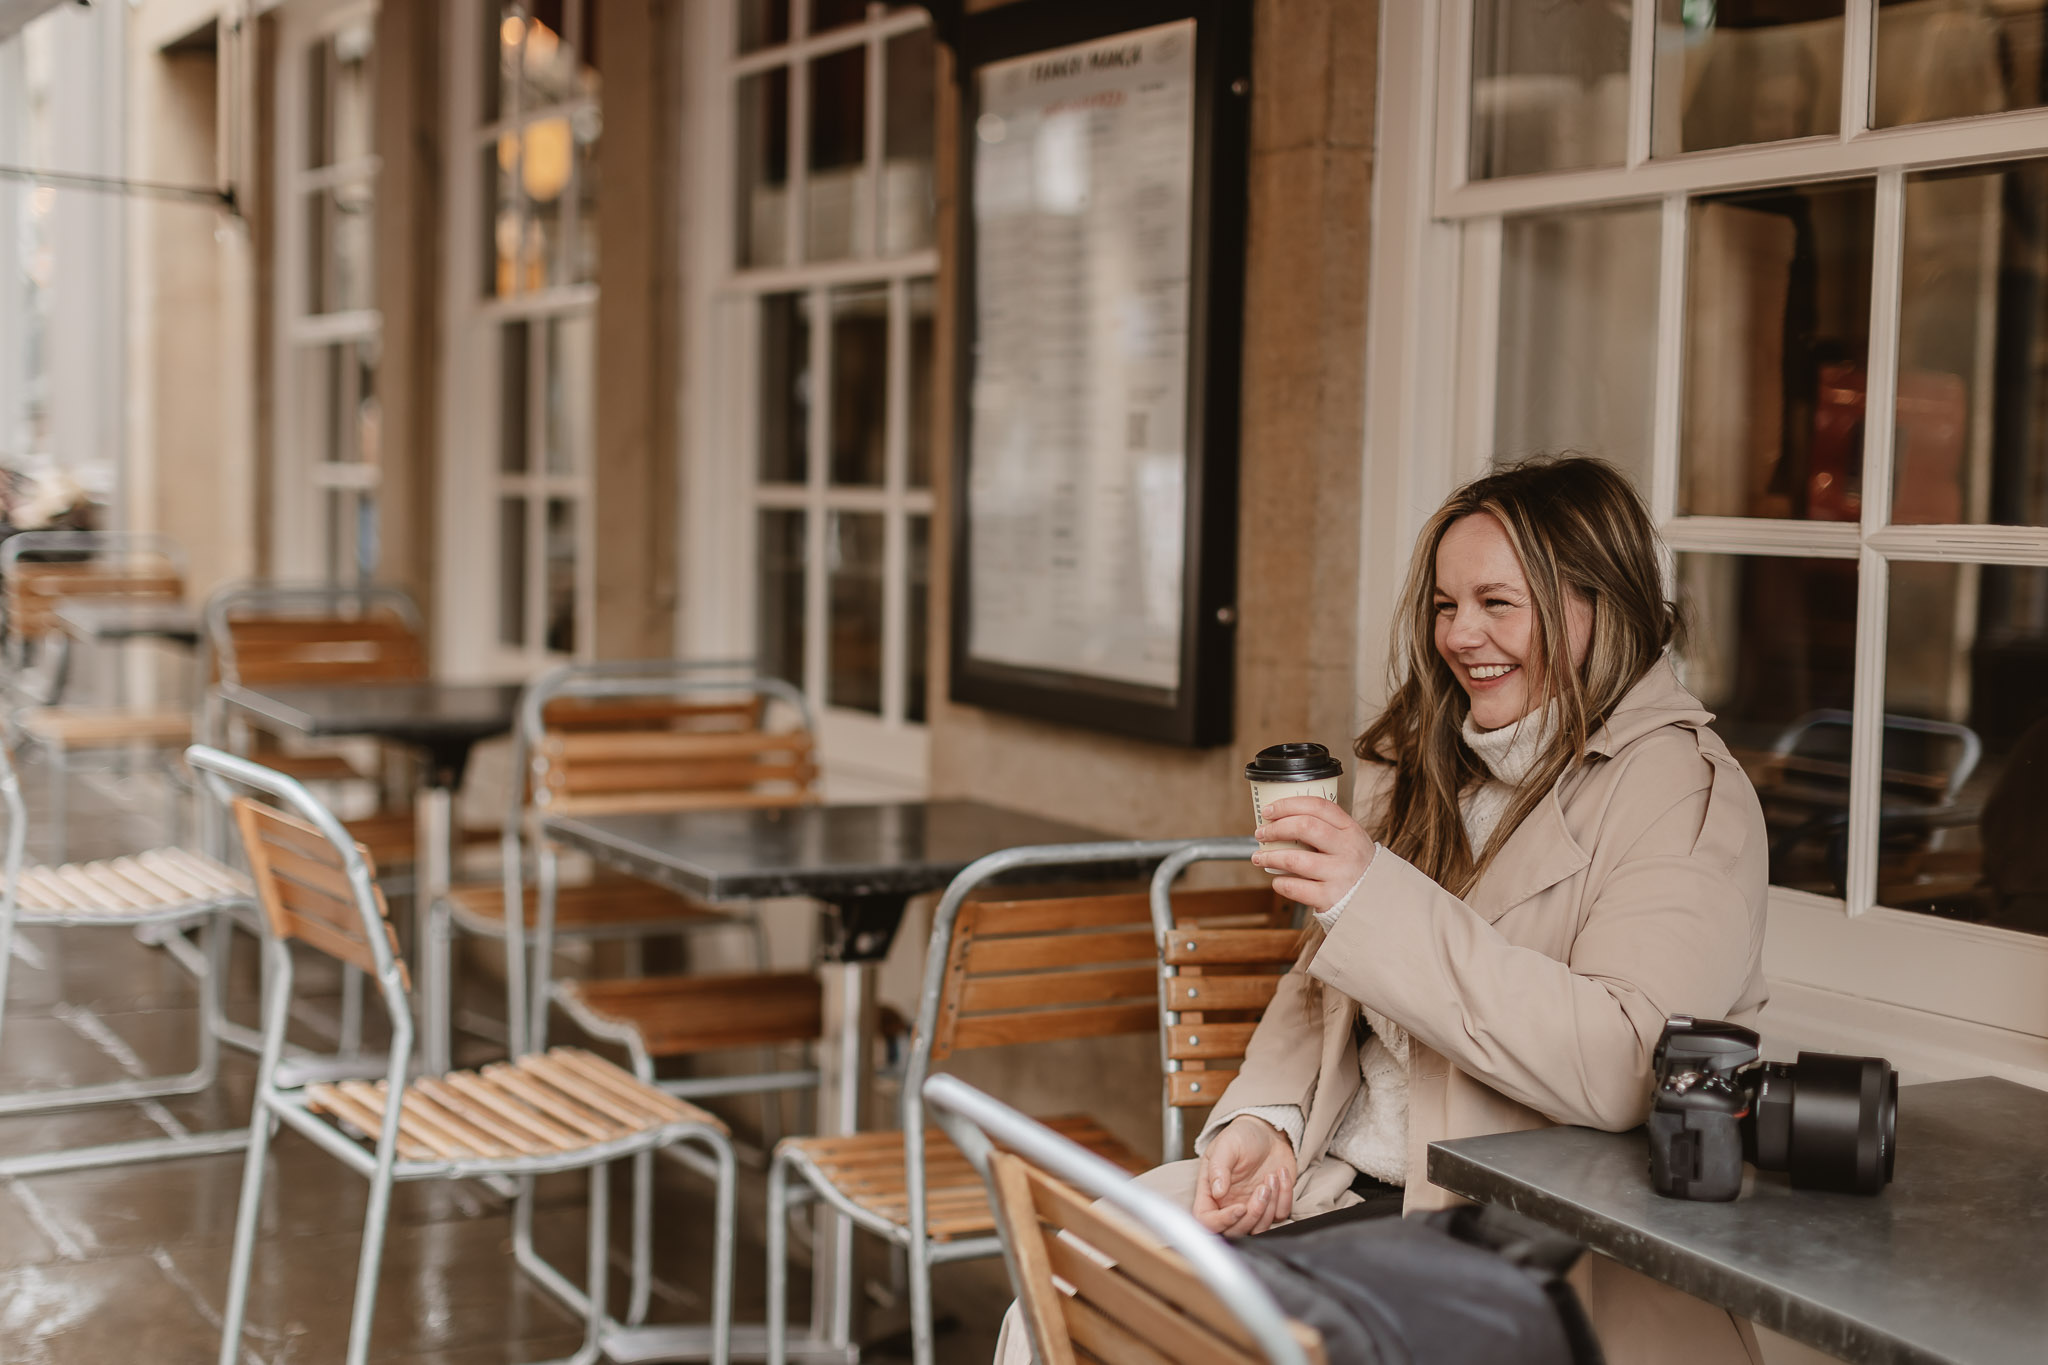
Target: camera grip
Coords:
[(1695, 1154)]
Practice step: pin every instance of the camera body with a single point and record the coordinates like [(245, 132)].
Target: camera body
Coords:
[(1828, 1120)]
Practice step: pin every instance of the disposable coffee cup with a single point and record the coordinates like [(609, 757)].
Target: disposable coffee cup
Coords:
[(1284, 770)]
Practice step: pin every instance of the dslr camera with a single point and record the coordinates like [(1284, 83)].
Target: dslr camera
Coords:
[(1829, 1120)]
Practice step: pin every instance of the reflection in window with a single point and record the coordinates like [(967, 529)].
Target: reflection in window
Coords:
[(1578, 332), (512, 572), (779, 597), (1940, 60), (1972, 442), (909, 208), (560, 627), (919, 474), (1772, 655), (785, 378), (1735, 72), (1549, 86), (762, 147), (853, 550), (860, 385), (1777, 331), (838, 216), (917, 623), (1965, 787)]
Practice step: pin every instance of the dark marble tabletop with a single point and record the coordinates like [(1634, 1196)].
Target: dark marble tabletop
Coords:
[(445, 720), (893, 849), (1948, 1265), (88, 620)]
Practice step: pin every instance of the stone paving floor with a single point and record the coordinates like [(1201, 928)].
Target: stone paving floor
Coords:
[(130, 1263)]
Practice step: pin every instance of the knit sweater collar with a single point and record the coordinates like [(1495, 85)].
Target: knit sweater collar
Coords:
[(1510, 753)]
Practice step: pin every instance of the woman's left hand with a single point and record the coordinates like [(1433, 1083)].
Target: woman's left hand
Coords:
[(1335, 852)]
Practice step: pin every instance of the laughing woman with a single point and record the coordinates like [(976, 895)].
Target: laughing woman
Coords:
[(1552, 853)]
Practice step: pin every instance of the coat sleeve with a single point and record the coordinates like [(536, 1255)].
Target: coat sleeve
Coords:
[(1282, 1060), (1669, 927)]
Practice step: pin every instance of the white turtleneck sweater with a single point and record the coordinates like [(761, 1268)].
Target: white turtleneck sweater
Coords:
[(1372, 1137)]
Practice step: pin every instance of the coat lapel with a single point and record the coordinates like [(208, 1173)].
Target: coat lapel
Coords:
[(1538, 855)]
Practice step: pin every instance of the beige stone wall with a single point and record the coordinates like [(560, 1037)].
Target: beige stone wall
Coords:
[(1314, 65)]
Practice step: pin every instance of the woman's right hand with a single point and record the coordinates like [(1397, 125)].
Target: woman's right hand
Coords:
[(1246, 1184)]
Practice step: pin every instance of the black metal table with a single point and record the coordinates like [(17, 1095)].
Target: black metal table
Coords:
[(1946, 1267), (864, 862), (443, 722)]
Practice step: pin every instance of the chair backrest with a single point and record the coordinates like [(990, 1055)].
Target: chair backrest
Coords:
[(1215, 981), (270, 633), (1151, 1286), (1923, 760), (42, 569), (1029, 971)]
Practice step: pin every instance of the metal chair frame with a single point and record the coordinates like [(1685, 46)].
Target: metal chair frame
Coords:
[(526, 963), (979, 1123), (207, 963), (274, 1104), (921, 1251)]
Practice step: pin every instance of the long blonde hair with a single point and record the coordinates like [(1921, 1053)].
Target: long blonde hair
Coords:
[(1577, 526)]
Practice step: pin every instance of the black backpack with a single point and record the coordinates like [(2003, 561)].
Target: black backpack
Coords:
[(1466, 1286)]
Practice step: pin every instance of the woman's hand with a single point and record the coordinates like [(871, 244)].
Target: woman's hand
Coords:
[(1246, 1183), (1335, 852)]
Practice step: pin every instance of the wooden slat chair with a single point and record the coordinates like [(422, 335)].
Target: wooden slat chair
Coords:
[(1145, 1284), (647, 736), (164, 888), (997, 973), (1215, 981), (101, 566), (535, 1114)]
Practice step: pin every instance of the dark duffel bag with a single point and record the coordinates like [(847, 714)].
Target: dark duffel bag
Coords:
[(1466, 1286)]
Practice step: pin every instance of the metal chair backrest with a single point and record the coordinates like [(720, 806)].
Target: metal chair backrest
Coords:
[(42, 569), (1923, 760), (271, 633), (1215, 981), (1151, 1285)]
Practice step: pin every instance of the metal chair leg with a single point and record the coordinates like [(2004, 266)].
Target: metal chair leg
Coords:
[(778, 1262), (261, 1125), (919, 1255), (372, 1258), (60, 802), (643, 1238), (599, 1260)]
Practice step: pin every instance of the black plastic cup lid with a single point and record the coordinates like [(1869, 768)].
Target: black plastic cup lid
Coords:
[(1293, 763)]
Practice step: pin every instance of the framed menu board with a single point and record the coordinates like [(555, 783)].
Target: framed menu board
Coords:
[(1100, 285)]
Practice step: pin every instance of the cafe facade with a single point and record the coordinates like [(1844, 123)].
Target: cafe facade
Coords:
[(629, 328)]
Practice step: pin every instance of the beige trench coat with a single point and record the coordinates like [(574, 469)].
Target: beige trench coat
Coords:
[(1634, 891)]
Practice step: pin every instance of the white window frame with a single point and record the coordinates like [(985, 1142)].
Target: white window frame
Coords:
[(1941, 998), (302, 485), (468, 644), (863, 754)]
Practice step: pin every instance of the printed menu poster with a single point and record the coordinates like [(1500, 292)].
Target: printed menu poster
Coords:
[(1083, 184)]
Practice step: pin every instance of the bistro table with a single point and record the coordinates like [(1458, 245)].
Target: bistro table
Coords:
[(443, 722), (864, 862), (1943, 1268)]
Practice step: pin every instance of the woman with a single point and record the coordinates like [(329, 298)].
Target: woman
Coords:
[(1553, 853)]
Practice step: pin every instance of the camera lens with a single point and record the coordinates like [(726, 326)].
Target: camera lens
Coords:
[(1843, 1128)]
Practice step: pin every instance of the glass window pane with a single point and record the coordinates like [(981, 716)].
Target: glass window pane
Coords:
[(779, 605), (546, 156), (1578, 336), (917, 606), (836, 13), (571, 361), (836, 217), (502, 34), (548, 63), (909, 209), (1734, 72), (502, 218), (1549, 86), (339, 384), (763, 23), (561, 573), (1773, 648), (513, 372), (853, 658), (340, 224), (860, 385), (512, 572), (1777, 329), (586, 124), (763, 161), (922, 395), (1937, 60), (1965, 787), (340, 96), (1972, 442), (785, 388)]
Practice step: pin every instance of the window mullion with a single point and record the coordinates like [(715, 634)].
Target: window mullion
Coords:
[(1454, 94), (1866, 743), (536, 566), (817, 439), (1478, 347), (895, 533), (1667, 401), (1642, 66), (869, 202), (1858, 53), (796, 177)]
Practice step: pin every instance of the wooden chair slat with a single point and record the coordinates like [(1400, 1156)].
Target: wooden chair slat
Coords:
[(634, 803), (628, 1112), (1040, 989), (559, 1108), (480, 1117), (1198, 1089), (671, 746), (466, 1137), (602, 1073), (658, 775), (1106, 1340), (1221, 992), (328, 1099), (1129, 1302), (414, 1123), (324, 876), (512, 1111), (1027, 1241), (1204, 946), (1039, 952), (680, 1014), (610, 900), (1206, 1041), (191, 873), (613, 713), (1000, 1030)]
